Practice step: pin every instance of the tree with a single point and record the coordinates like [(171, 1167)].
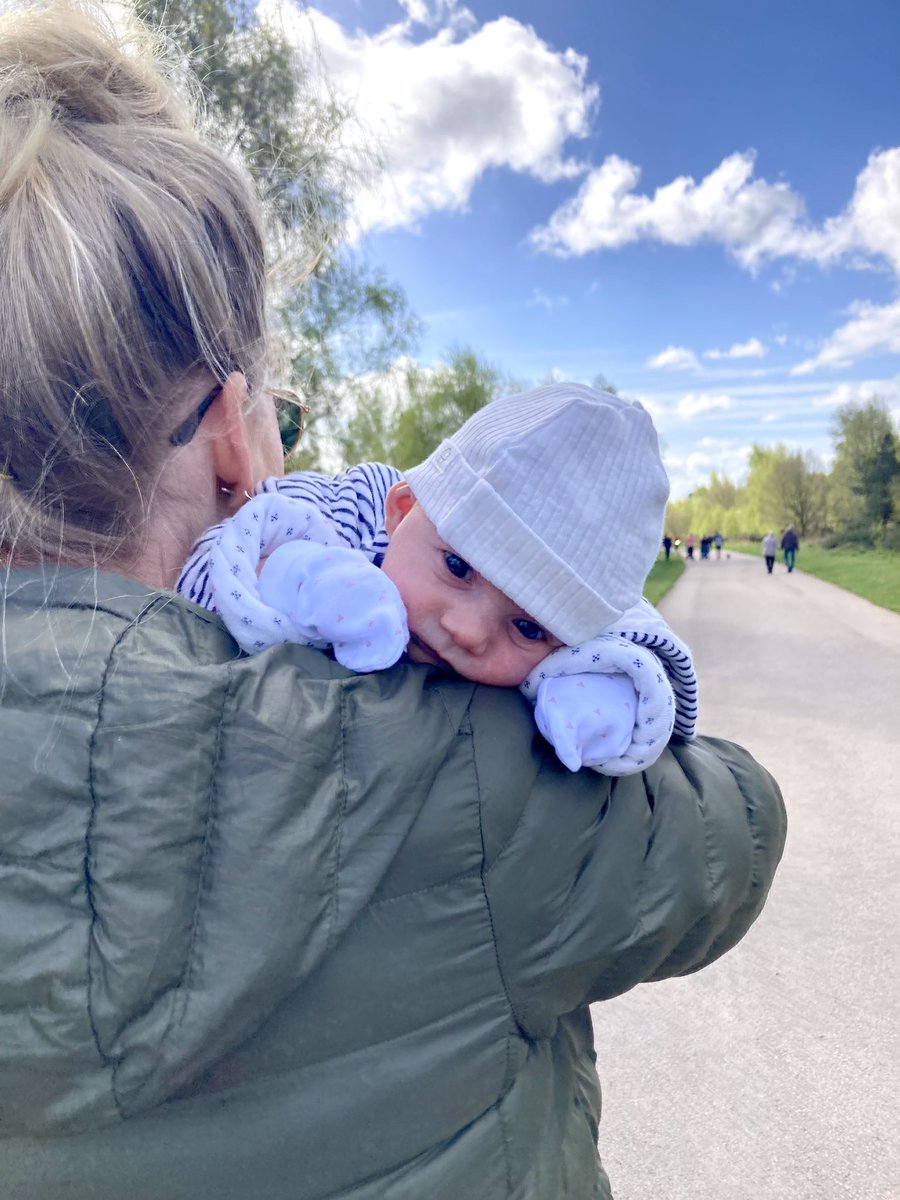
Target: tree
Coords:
[(402, 417), (866, 470), (336, 315), (762, 500), (799, 491)]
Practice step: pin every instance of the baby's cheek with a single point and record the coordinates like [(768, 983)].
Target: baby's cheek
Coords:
[(528, 659)]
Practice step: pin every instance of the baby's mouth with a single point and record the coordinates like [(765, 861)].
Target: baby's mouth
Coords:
[(433, 657)]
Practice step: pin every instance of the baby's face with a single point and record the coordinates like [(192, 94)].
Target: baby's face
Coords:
[(457, 619)]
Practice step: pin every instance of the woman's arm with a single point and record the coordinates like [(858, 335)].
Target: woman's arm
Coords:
[(603, 884)]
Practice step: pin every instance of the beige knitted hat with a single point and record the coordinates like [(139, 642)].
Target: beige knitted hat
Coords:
[(557, 497)]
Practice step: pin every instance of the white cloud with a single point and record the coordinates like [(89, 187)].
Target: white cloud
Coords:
[(444, 110), (697, 404), (870, 225), (755, 220), (439, 12), (747, 215), (540, 299), (749, 349), (691, 468), (674, 358), (861, 393), (872, 329)]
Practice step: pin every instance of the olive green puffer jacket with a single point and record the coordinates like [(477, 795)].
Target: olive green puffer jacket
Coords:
[(272, 931)]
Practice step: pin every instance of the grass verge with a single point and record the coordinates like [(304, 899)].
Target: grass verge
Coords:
[(662, 575), (873, 574)]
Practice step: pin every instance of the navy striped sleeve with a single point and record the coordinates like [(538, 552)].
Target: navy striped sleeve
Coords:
[(354, 501)]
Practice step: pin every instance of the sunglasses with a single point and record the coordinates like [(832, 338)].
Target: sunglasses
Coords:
[(290, 409)]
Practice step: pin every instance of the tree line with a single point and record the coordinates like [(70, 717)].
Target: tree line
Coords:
[(857, 502)]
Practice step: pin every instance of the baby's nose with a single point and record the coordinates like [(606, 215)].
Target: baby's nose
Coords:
[(468, 629)]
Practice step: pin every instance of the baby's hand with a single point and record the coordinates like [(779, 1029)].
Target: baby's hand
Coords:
[(588, 719), (333, 594)]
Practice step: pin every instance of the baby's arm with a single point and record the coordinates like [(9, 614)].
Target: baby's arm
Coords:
[(311, 589), (584, 707)]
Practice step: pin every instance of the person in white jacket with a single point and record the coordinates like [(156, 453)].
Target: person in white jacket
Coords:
[(515, 555), (769, 549)]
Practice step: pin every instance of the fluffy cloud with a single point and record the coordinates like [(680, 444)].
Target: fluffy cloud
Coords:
[(887, 390), (870, 225), (444, 110), (749, 349), (747, 215), (696, 404), (755, 220), (674, 358), (872, 329)]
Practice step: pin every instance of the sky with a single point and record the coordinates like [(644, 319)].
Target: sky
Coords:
[(699, 201)]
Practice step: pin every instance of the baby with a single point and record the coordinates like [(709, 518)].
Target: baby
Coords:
[(515, 555)]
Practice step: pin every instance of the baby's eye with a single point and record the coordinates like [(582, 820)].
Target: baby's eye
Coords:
[(530, 630), (457, 566)]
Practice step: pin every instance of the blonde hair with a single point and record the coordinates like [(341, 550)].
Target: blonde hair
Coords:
[(131, 257)]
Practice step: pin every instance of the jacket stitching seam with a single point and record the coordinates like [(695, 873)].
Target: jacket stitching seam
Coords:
[(474, 873), (188, 969), (180, 990), (702, 810), (339, 835), (504, 1135), (512, 836), (106, 1059)]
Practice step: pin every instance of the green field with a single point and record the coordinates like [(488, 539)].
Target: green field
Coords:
[(874, 574), (662, 576)]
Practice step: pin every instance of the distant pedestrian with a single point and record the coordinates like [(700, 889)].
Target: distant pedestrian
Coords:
[(718, 542), (769, 547), (705, 543), (667, 546), (790, 544), (690, 541)]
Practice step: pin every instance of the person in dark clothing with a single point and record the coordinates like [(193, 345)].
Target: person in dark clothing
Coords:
[(790, 544), (667, 546)]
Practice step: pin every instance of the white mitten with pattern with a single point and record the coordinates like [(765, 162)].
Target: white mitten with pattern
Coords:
[(311, 590), (587, 719), (610, 655), (335, 595)]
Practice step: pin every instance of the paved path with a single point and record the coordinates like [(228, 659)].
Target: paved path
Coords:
[(775, 1073)]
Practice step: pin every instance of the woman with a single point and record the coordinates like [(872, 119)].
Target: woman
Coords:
[(268, 931)]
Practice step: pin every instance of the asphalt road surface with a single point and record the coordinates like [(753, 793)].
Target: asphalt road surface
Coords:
[(774, 1074)]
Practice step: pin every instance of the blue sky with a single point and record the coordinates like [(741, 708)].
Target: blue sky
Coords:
[(698, 200)]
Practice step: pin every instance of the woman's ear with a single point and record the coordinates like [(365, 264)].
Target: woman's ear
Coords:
[(244, 443), (398, 503)]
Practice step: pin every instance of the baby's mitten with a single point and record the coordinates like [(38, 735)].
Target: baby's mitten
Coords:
[(310, 590), (333, 594), (588, 719), (610, 655)]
